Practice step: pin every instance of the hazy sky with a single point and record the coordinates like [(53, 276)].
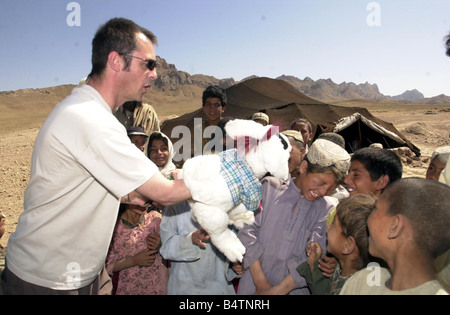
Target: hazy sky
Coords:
[(397, 44)]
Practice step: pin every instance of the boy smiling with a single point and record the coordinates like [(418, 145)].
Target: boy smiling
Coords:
[(372, 170)]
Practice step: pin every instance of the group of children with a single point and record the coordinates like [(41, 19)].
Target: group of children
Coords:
[(311, 236)]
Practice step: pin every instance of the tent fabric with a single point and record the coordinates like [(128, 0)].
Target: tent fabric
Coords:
[(345, 122), (283, 103)]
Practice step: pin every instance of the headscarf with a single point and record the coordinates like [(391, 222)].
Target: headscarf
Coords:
[(167, 169)]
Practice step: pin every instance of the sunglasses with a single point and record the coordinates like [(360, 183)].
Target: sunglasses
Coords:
[(151, 63)]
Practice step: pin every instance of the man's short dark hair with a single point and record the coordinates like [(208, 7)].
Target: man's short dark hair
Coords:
[(215, 91), (118, 34)]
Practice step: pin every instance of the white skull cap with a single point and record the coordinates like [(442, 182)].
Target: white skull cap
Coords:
[(326, 153)]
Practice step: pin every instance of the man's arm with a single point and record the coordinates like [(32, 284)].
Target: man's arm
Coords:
[(164, 191)]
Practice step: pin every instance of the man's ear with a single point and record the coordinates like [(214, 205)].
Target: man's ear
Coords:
[(349, 246), (382, 182), (397, 225), (115, 61)]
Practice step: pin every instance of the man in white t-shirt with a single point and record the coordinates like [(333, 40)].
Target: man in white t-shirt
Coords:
[(83, 166)]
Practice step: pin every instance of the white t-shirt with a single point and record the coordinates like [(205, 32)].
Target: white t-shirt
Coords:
[(82, 164)]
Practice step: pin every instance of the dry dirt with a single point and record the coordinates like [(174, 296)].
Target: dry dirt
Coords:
[(427, 129)]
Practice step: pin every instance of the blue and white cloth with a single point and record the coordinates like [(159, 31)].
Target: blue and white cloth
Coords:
[(244, 186)]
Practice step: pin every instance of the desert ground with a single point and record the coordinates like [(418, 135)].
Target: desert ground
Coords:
[(426, 126)]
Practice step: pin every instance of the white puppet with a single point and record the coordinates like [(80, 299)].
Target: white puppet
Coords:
[(225, 187)]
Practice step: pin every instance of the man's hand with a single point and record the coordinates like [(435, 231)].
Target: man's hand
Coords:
[(134, 198)]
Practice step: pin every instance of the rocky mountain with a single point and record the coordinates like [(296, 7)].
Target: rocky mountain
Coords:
[(326, 90), (170, 77), (174, 85), (410, 95)]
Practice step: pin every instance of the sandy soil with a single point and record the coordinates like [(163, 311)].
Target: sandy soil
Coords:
[(427, 130)]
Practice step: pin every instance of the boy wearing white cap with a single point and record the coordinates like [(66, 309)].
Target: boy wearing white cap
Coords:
[(438, 161), (293, 214)]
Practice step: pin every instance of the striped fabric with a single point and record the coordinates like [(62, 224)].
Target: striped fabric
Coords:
[(244, 186)]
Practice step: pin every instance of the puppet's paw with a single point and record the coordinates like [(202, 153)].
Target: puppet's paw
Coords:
[(229, 245), (242, 218)]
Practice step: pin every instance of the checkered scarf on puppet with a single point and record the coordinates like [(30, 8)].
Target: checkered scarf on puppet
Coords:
[(244, 187)]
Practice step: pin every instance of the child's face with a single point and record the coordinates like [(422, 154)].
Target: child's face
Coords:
[(379, 223), (315, 185), (139, 142), (358, 180), (434, 169), (335, 237), (304, 130), (213, 109), (159, 152)]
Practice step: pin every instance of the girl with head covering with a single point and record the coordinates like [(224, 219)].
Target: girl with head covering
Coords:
[(160, 151)]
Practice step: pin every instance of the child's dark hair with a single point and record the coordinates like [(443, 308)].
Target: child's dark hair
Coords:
[(425, 203), (379, 162), (352, 213)]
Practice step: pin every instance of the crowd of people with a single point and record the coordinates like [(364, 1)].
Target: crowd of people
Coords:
[(105, 212)]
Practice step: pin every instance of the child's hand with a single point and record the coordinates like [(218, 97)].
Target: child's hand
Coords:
[(199, 236), (153, 241), (2, 226), (145, 258), (327, 265), (313, 251), (238, 267)]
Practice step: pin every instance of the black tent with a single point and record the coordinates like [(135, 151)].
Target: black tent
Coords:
[(283, 103)]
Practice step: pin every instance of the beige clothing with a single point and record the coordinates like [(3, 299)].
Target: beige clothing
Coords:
[(372, 281), (143, 116), (442, 265), (82, 163)]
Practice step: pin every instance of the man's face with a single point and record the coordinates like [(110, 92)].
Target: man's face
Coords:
[(138, 78)]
